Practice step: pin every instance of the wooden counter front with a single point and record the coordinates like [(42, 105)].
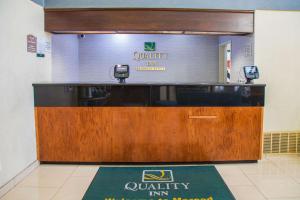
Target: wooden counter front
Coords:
[(148, 134)]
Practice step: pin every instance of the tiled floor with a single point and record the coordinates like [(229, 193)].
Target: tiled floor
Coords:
[(273, 178)]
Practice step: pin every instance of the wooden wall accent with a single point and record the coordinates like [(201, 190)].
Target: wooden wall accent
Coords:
[(149, 20), (148, 134)]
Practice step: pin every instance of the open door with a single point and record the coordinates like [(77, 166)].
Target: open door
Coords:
[(225, 62)]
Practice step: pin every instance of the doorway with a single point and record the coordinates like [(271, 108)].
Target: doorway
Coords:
[(225, 62)]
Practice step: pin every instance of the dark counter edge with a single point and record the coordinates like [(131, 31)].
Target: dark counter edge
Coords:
[(147, 84), (150, 163), (141, 95)]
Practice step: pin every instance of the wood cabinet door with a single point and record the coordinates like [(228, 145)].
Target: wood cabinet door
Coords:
[(147, 135), (111, 134), (71, 134), (225, 134)]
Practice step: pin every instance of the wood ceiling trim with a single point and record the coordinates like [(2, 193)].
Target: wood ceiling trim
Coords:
[(148, 20)]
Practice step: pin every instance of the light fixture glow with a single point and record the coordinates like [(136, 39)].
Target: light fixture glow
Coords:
[(121, 37)]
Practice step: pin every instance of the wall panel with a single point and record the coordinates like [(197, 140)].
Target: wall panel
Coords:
[(190, 58), (277, 47), (18, 70)]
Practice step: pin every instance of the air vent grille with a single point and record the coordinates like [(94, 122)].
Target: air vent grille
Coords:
[(285, 142)]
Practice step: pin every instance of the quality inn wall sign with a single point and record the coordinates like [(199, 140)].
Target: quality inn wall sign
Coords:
[(149, 58)]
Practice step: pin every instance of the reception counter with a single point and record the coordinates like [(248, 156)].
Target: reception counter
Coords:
[(91, 122)]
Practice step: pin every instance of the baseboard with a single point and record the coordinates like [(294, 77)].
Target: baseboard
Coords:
[(18, 178)]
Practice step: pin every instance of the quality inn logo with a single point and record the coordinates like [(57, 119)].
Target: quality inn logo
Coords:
[(149, 46), (157, 183), (157, 176)]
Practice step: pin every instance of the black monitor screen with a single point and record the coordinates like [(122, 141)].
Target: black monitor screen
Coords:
[(251, 72)]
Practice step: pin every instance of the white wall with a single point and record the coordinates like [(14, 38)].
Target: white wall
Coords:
[(277, 53), (190, 58), (92, 58), (18, 70), (65, 58), (242, 54)]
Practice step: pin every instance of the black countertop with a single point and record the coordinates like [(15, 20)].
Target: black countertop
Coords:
[(144, 84), (148, 94)]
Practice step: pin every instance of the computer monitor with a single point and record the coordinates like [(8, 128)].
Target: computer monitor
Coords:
[(121, 72), (251, 73)]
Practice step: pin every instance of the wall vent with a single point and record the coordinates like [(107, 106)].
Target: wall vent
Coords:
[(282, 142)]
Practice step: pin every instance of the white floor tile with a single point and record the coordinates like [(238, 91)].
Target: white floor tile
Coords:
[(233, 175), (276, 186), (29, 193), (282, 157), (230, 169), (236, 180), (297, 179), (86, 171), (286, 199), (266, 167), (48, 176), (246, 193), (74, 188), (290, 168)]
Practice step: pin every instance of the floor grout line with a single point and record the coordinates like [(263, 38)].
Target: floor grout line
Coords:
[(15, 182), (59, 188), (257, 188), (284, 172)]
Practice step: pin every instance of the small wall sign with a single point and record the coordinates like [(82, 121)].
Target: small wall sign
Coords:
[(40, 55), (149, 61), (31, 44)]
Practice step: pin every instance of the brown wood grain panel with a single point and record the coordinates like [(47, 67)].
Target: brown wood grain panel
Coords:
[(235, 134), (37, 133), (144, 20), (148, 134), (261, 135)]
